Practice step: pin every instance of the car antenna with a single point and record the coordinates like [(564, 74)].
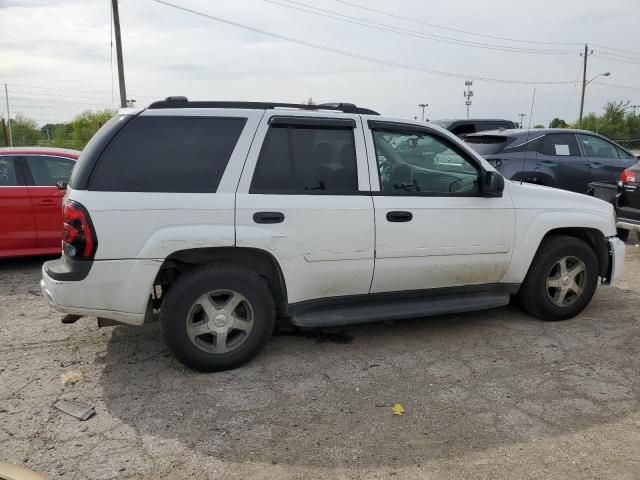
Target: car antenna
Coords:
[(526, 144)]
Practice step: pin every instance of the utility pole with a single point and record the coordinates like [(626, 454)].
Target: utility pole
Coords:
[(522, 115), (116, 29), (584, 81), (423, 106), (468, 94), (634, 109), (6, 96)]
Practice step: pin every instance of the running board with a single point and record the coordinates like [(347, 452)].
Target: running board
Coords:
[(397, 309)]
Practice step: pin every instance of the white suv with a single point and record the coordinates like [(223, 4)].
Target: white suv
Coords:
[(226, 216)]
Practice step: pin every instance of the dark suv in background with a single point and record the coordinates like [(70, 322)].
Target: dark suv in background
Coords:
[(555, 157), (466, 127)]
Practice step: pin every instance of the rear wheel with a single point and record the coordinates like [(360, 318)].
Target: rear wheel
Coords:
[(561, 280), (217, 317)]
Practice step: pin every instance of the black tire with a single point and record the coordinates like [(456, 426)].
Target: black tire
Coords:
[(623, 234), (192, 285), (533, 294)]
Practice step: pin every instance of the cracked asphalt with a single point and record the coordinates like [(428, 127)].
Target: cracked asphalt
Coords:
[(493, 394)]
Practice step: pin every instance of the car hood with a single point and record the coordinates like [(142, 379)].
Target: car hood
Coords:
[(528, 195)]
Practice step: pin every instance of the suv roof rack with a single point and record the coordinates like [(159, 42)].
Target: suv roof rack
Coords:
[(183, 102)]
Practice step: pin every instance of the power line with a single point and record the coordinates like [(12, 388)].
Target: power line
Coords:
[(614, 58), (616, 49), (454, 29), (413, 33), (356, 55), (613, 85)]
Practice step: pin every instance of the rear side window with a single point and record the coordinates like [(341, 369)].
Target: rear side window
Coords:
[(306, 160), (8, 176), (168, 154), (488, 144), (47, 171), (560, 145)]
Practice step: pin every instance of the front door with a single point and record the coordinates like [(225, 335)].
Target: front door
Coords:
[(433, 226), (304, 197), (606, 161), (17, 223)]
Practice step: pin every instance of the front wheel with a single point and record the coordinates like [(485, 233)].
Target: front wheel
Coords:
[(561, 279), (217, 317)]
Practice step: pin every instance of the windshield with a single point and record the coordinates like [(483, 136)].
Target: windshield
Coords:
[(487, 144)]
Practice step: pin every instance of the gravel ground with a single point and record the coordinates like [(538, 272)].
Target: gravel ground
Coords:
[(493, 394)]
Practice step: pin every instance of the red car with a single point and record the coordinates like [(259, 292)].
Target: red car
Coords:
[(30, 201)]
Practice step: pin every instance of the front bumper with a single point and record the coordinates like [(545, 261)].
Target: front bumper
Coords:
[(617, 251), (114, 289)]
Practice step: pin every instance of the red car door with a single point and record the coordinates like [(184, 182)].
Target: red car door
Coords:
[(46, 198), (17, 221)]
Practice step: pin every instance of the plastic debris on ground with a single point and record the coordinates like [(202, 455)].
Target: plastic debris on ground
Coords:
[(71, 376), (81, 411), (397, 409)]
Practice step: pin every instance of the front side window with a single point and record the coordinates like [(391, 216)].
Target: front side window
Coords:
[(8, 176), (597, 147), (297, 159), (421, 163), (559, 145), (47, 171), (168, 154)]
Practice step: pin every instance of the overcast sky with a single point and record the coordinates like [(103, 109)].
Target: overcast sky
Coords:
[(55, 55)]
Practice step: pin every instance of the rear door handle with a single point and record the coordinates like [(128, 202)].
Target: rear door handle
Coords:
[(595, 165), (46, 202), (399, 216), (268, 217)]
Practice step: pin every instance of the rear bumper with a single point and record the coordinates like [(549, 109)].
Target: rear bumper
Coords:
[(617, 251), (114, 289)]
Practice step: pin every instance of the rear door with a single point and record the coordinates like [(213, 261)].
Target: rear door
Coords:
[(560, 158), (43, 173), (17, 222), (606, 160), (304, 197)]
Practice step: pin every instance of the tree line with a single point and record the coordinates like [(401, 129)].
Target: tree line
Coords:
[(616, 122)]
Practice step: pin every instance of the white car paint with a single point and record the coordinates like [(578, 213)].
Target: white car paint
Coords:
[(329, 245)]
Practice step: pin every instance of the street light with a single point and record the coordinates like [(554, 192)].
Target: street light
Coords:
[(423, 106), (584, 85)]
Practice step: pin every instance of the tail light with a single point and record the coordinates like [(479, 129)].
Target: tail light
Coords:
[(628, 176), (78, 235)]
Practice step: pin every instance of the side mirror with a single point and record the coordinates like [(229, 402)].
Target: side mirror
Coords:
[(493, 184), (61, 185)]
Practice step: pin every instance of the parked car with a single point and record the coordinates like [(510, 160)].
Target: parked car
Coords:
[(30, 201), (561, 158), (227, 215), (624, 195), (462, 128)]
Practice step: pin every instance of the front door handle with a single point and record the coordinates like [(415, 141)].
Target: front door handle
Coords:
[(268, 217), (399, 216)]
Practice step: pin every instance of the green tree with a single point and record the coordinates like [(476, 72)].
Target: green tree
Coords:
[(24, 131), (310, 101), (85, 125), (538, 126), (558, 123)]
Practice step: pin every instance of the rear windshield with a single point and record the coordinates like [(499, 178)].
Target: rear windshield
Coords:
[(488, 144), (168, 154)]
